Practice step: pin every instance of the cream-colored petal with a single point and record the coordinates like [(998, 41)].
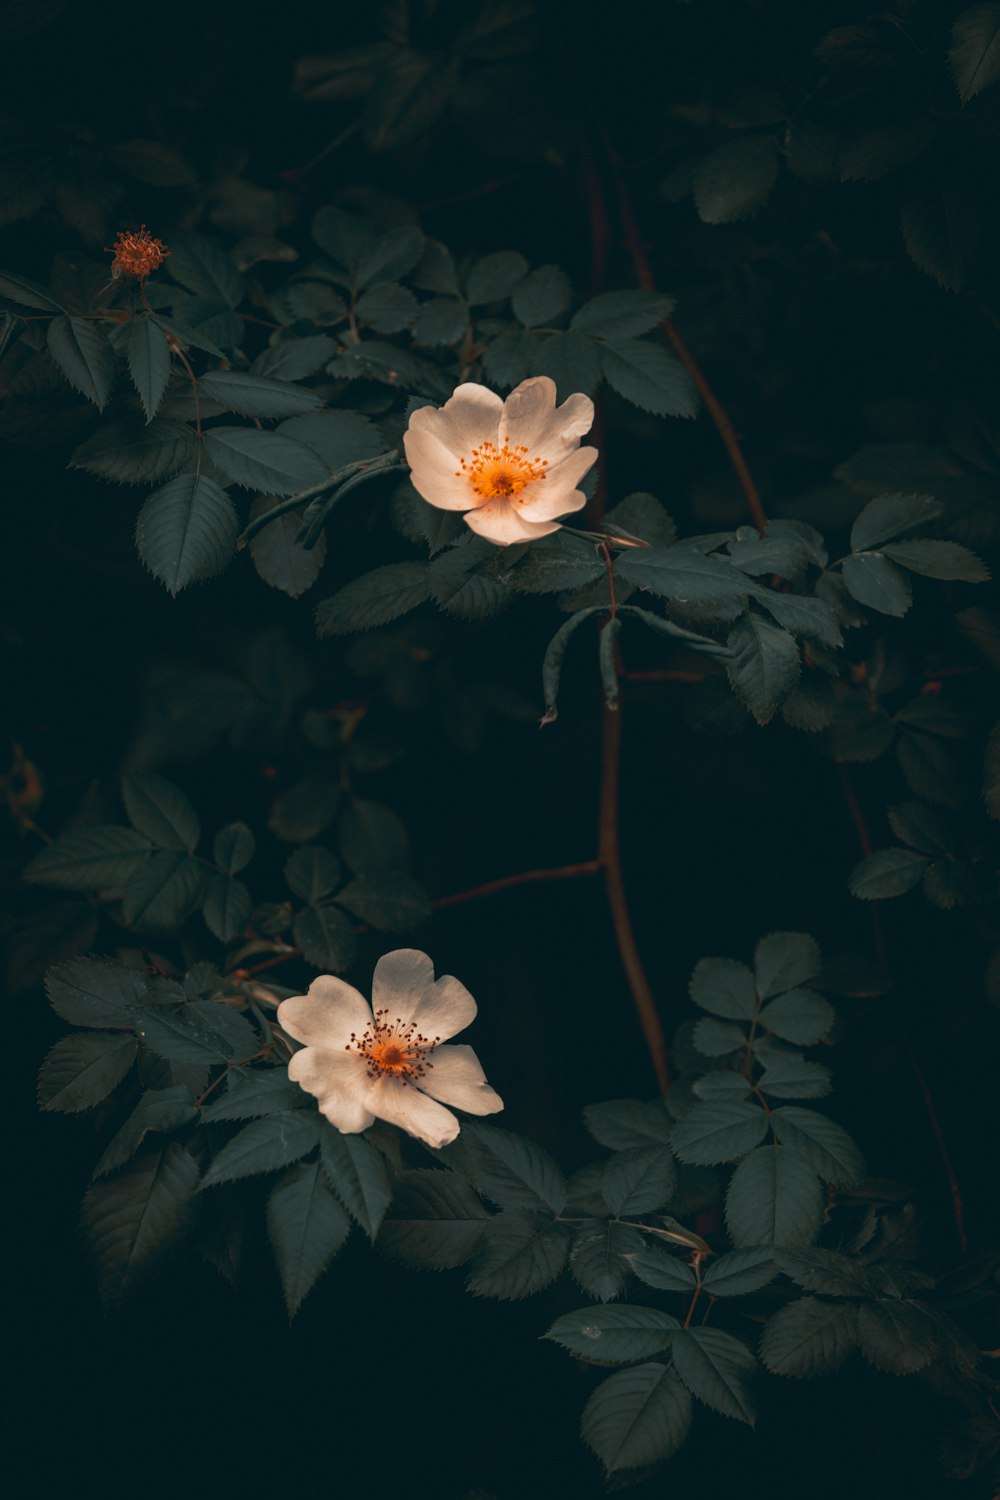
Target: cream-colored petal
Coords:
[(470, 416), (404, 985), (403, 1105), (557, 433), (455, 1076), (326, 1016), (339, 1081), (432, 471), (556, 494), (527, 412), (499, 522)]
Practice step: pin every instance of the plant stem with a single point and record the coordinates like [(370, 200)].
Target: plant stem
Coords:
[(523, 877)]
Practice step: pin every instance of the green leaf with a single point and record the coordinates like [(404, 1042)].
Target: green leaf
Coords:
[(809, 1338), (512, 1171), (261, 1091), (494, 278), (794, 1078), (85, 357), (279, 557), (683, 575), (622, 315), (440, 323), (637, 1417), (602, 1256), (975, 54), (555, 654), (88, 859), (372, 838), (718, 1369), (715, 1038), (358, 1176), (161, 1110), (233, 848), (257, 395), (828, 1271), (517, 1255), (736, 179), (27, 293), (639, 1180), (650, 377), (389, 902), (721, 1083), (785, 960), (130, 452), (326, 937), (227, 908), (148, 362), (339, 438), (896, 1336), (621, 1124), (542, 297), (763, 665), (264, 1146), (824, 1146), (667, 1273), (813, 618), (374, 599), (387, 307), (887, 873), (132, 1219), (947, 560), (198, 264), (570, 359), (724, 987), (95, 992), (271, 462), (81, 1070), (163, 892), (161, 811), (740, 1272), (295, 358), (774, 1198), (412, 91), (799, 1016), (614, 1335), (186, 532), (714, 1131), (191, 1033), (887, 516), (312, 872), (877, 583), (436, 1221), (306, 1226)]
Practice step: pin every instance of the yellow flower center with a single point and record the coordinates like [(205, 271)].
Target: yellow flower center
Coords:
[(394, 1047), (500, 473)]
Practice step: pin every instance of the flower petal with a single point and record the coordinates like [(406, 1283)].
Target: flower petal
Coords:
[(530, 416), (499, 522), (326, 1016), (340, 1083), (401, 1104), (455, 1076), (432, 471), (556, 494), (470, 416), (404, 984)]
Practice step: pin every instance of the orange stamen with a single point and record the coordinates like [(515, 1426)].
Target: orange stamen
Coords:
[(500, 473)]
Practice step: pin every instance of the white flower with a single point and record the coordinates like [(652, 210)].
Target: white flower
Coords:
[(389, 1065), (512, 466)]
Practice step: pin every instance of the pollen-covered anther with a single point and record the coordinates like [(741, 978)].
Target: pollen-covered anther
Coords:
[(394, 1047), (500, 472), (137, 254)]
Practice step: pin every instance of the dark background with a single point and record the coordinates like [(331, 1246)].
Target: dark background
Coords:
[(390, 1379)]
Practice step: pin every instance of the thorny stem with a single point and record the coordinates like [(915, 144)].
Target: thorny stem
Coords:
[(878, 937), (692, 1305)]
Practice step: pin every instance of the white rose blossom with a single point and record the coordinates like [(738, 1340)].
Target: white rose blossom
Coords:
[(513, 466), (389, 1065)]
